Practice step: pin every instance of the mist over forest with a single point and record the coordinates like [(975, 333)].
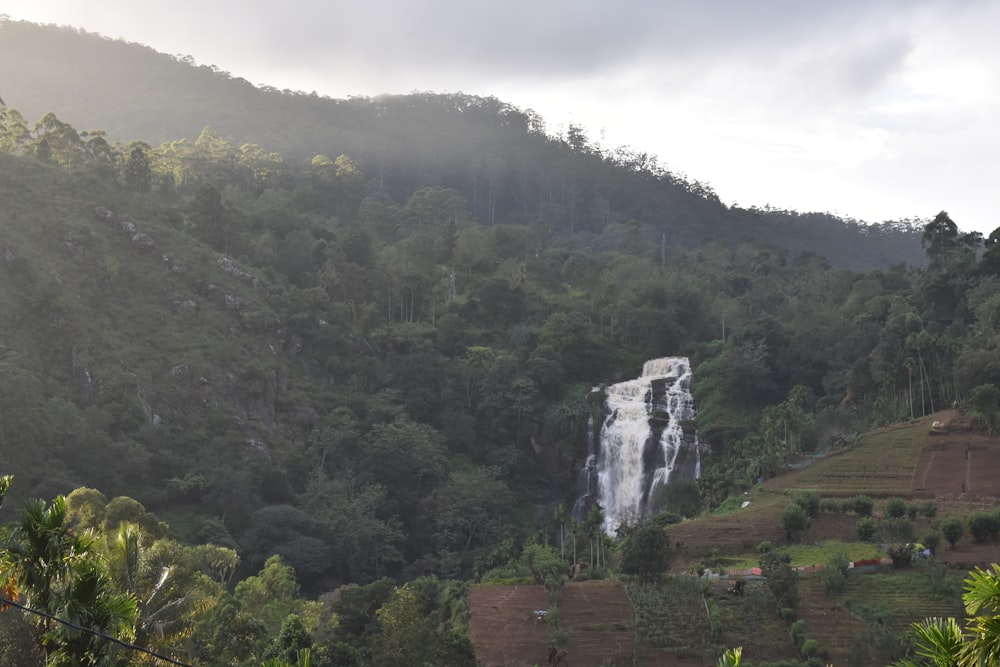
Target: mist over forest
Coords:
[(362, 334)]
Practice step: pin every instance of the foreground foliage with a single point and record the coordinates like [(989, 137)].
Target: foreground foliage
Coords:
[(948, 642)]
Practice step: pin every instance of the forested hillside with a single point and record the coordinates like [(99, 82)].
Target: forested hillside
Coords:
[(500, 158), (364, 339)]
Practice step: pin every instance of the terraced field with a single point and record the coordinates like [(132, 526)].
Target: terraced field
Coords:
[(827, 621), (959, 465), (751, 621), (598, 620), (503, 627), (688, 621), (597, 616), (884, 464)]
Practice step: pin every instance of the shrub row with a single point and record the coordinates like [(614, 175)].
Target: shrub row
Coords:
[(862, 505)]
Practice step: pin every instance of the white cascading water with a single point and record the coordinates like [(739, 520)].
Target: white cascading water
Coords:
[(643, 445)]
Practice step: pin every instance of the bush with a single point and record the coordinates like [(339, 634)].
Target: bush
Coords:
[(952, 528), (927, 508), (861, 505), (782, 580), (834, 582), (895, 507), (545, 564), (901, 554), (896, 531), (808, 501), (831, 506), (809, 648), (984, 526), (664, 519), (795, 520), (835, 574), (798, 630), (865, 529), (931, 540)]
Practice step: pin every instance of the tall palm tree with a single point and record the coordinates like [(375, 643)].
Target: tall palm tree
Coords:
[(52, 569), (148, 572), (40, 552)]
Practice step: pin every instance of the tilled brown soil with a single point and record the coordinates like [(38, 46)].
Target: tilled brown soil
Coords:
[(503, 626), (596, 615), (959, 465)]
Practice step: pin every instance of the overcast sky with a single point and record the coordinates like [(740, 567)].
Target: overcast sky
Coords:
[(872, 109)]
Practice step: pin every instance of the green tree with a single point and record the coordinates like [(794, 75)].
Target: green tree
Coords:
[(164, 580), (63, 144), (138, 175), (782, 424), (794, 521), (270, 595), (865, 528), (407, 636), (229, 635), (895, 507), (368, 536), (835, 574), (984, 526), (782, 580), (211, 220), (15, 137), (646, 552), (940, 235), (52, 569), (85, 508), (985, 402), (470, 509), (291, 640), (861, 505), (808, 501), (952, 528)]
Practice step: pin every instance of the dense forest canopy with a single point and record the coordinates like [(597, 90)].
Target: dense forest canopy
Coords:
[(361, 334)]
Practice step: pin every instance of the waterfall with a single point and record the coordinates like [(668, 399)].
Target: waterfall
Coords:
[(586, 485), (647, 441)]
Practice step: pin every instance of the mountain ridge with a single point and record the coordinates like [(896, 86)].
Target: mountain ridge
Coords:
[(497, 155)]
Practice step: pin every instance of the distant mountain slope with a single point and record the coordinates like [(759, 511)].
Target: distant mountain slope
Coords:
[(496, 155)]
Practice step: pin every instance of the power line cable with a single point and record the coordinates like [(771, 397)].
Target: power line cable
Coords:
[(132, 647)]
